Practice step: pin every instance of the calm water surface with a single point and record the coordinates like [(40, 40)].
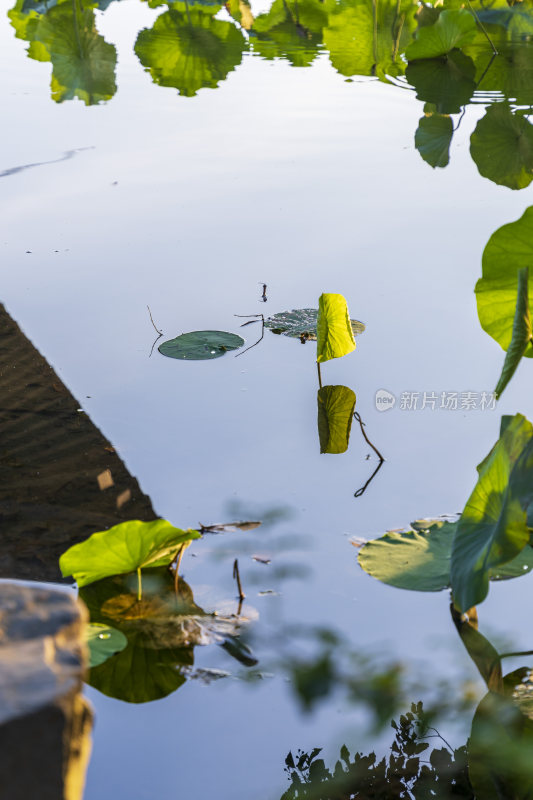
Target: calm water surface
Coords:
[(310, 183)]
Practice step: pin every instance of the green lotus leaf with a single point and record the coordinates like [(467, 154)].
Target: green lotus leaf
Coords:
[(301, 324), (500, 745), (124, 548), (83, 62), (508, 250), (453, 29), (201, 345), (510, 74), (162, 631), (336, 405), (368, 38), (190, 51), (419, 559), (290, 30), (522, 336), (433, 138), (447, 82), (493, 529), (103, 642), (502, 147), (334, 331), (517, 21)]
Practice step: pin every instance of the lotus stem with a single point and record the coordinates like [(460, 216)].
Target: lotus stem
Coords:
[(139, 585), (176, 573)]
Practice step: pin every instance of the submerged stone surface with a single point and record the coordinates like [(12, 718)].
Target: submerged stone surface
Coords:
[(45, 722)]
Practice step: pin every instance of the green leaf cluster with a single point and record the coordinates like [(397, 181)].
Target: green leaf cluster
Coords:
[(291, 30), (368, 37), (452, 29)]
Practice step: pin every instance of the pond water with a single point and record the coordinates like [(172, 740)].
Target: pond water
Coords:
[(268, 150)]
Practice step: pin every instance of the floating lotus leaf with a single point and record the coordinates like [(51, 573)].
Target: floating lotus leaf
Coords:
[(103, 642), (201, 345), (301, 324), (419, 559)]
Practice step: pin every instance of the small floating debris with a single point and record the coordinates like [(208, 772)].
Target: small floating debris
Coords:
[(205, 676), (225, 527), (358, 541), (262, 559)]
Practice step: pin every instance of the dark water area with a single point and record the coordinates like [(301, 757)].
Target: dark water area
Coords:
[(172, 166)]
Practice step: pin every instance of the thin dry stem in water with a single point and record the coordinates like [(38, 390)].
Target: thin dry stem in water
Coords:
[(259, 316), (237, 577)]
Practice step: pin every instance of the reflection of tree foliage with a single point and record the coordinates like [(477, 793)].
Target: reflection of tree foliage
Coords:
[(190, 50), (403, 774), (83, 63)]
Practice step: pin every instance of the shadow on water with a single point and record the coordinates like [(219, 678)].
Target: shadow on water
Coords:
[(61, 479)]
